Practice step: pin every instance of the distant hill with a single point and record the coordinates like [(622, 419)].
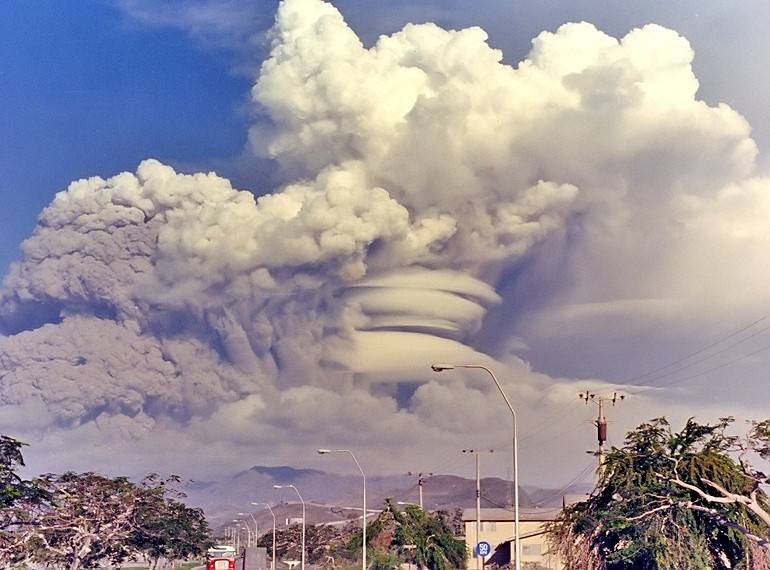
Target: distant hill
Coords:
[(220, 499), (282, 474), (331, 497), (450, 492)]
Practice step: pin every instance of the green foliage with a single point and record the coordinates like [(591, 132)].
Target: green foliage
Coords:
[(412, 535), (322, 543), (19, 499), (11, 485), (166, 527), (14, 489), (82, 520), (638, 518), (94, 519), (383, 561), (89, 521), (759, 436)]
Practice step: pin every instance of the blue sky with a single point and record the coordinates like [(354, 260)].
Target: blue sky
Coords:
[(85, 92)]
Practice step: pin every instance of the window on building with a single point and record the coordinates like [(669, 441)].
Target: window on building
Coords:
[(531, 549), (488, 526)]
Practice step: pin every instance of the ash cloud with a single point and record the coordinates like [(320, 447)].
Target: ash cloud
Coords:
[(158, 309)]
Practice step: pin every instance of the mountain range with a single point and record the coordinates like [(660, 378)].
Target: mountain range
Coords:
[(335, 499)]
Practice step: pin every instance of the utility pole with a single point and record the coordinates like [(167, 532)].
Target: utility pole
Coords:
[(601, 420), (365, 512), (238, 536), (301, 500), (272, 564), (420, 481), (478, 452)]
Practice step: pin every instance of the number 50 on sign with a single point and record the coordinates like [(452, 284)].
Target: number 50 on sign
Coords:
[(483, 548)]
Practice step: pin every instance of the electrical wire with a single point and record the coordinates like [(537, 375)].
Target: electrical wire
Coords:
[(452, 461), (583, 472), (651, 382), (556, 416), (723, 365), (579, 477)]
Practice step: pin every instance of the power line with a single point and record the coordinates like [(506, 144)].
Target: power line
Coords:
[(708, 357), (566, 429), (450, 463), (701, 350), (581, 474), (578, 477), (724, 364), (555, 417)]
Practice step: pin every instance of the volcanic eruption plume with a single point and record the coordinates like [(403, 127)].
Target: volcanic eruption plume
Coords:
[(161, 310)]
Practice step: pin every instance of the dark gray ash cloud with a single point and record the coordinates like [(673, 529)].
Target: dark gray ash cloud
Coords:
[(156, 311)]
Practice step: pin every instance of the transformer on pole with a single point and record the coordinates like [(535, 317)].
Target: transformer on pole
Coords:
[(601, 420)]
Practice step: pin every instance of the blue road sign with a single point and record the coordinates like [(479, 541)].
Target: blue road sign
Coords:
[(483, 548)]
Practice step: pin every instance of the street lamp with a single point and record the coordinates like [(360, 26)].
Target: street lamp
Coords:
[(272, 513), (363, 518), (238, 536), (441, 368), (301, 500), (256, 527)]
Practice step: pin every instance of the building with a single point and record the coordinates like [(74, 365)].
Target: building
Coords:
[(497, 528)]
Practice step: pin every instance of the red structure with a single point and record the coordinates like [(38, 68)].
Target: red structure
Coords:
[(220, 558)]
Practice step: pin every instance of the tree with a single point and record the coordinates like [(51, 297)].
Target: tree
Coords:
[(81, 520), (322, 542), (757, 441), (414, 535), (654, 506), (12, 486), (90, 520), (19, 498), (393, 537), (165, 526)]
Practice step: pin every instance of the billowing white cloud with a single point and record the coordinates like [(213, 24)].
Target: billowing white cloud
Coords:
[(156, 308)]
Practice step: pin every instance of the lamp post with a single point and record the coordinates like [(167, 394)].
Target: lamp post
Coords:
[(238, 536), (239, 526), (256, 527), (272, 566), (478, 452), (441, 368), (301, 500), (363, 518)]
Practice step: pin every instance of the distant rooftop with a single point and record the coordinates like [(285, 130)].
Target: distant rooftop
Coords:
[(525, 514), (572, 498)]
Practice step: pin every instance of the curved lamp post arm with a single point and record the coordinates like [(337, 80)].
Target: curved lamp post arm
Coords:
[(269, 508), (517, 536), (256, 527), (301, 500), (364, 513)]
